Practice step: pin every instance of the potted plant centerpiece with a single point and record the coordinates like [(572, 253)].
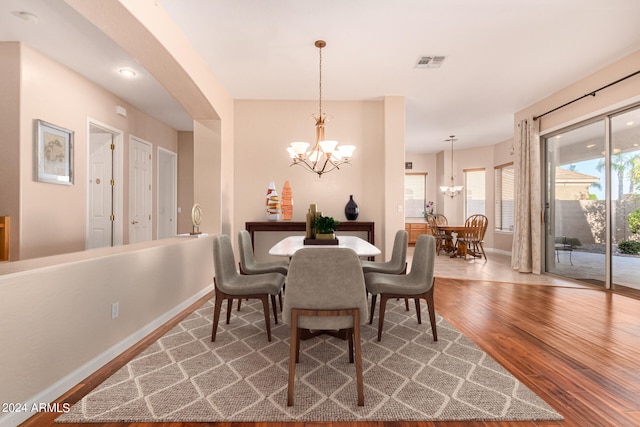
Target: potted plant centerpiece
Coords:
[(325, 227)]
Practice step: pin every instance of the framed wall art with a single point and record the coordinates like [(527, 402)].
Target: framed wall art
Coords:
[(53, 153)]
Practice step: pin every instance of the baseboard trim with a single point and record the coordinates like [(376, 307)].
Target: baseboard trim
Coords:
[(63, 385)]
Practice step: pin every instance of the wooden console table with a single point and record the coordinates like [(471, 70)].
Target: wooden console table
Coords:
[(252, 227)]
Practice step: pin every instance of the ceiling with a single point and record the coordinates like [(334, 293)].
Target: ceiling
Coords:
[(501, 55)]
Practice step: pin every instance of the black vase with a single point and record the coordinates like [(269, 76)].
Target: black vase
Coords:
[(351, 209)]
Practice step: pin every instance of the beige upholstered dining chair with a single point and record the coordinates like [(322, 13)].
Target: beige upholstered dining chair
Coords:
[(398, 262), (418, 283), (229, 284), (473, 236), (249, 265), (325, 291)]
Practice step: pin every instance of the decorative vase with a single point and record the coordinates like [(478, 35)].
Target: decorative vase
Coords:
[(351, 209), (287, 202), (273, 203)]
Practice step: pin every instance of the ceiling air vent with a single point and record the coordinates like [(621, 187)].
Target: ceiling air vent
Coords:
[(433, 61)]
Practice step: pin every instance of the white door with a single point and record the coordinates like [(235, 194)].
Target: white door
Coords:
[(139, 190), (167, 193), (100, 188)]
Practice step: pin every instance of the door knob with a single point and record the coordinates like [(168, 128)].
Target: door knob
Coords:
[(134, 222)]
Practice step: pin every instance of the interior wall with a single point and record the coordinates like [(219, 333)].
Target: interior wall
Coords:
[(438, 166), (263, 131), (56, 323), (623, 93), (53, 217), (10, 158), (185, 181)]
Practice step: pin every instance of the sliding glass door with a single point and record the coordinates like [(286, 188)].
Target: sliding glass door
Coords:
[(592, 204), (625, 199), (576, 214)]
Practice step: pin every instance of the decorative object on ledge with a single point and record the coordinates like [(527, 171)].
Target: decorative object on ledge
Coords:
[(273, 203), (287, 202), (451, 190), (325, 156), (53, 153), (196, 218), (351, 210)]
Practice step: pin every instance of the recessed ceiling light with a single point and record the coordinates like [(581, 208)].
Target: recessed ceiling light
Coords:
[(630, 123), (26, 16), (127, 72), (591, 145)]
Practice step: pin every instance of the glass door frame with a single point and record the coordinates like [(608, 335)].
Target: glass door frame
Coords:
[(608, 151)]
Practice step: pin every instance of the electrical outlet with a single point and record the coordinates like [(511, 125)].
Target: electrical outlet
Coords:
[(400, 209), (115, 309)]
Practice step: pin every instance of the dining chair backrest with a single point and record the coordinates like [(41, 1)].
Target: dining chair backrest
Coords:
[(423, 263), (246, 250), (475, 227), (325, 279), (248, 263), (432, 222), (224, 262), (441, 219), (399, 251)]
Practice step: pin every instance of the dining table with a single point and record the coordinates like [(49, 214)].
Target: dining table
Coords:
[(455, 249), (290, 245)]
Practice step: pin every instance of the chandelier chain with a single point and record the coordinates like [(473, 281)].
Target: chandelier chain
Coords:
[(320, 84)]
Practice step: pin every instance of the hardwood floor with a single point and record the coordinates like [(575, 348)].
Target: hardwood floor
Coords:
[(576, 346)]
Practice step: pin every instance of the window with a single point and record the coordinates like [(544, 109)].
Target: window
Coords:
[(474, 192), (504, 195), (415, 194)]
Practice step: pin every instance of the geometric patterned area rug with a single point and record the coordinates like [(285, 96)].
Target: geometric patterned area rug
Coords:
[(185, 377)]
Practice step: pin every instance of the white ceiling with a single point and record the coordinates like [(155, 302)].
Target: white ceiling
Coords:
[(502, 55)]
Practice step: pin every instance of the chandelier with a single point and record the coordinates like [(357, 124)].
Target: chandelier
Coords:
[(451, 190), (325, 155)]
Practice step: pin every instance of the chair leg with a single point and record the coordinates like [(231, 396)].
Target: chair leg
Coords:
[(275, 310), (216, 315), (267, 321), (418, 313), (229, 309), (350, 332), (406, 304), (432, 310), (293, 344), (373, 307), (239, 302), (298, 345), (483, 252), (356, 336), (383, 307)]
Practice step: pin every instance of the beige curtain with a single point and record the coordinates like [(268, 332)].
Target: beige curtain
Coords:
[(526, 250)]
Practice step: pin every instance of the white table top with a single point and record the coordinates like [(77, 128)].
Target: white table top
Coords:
[(289, 245)]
